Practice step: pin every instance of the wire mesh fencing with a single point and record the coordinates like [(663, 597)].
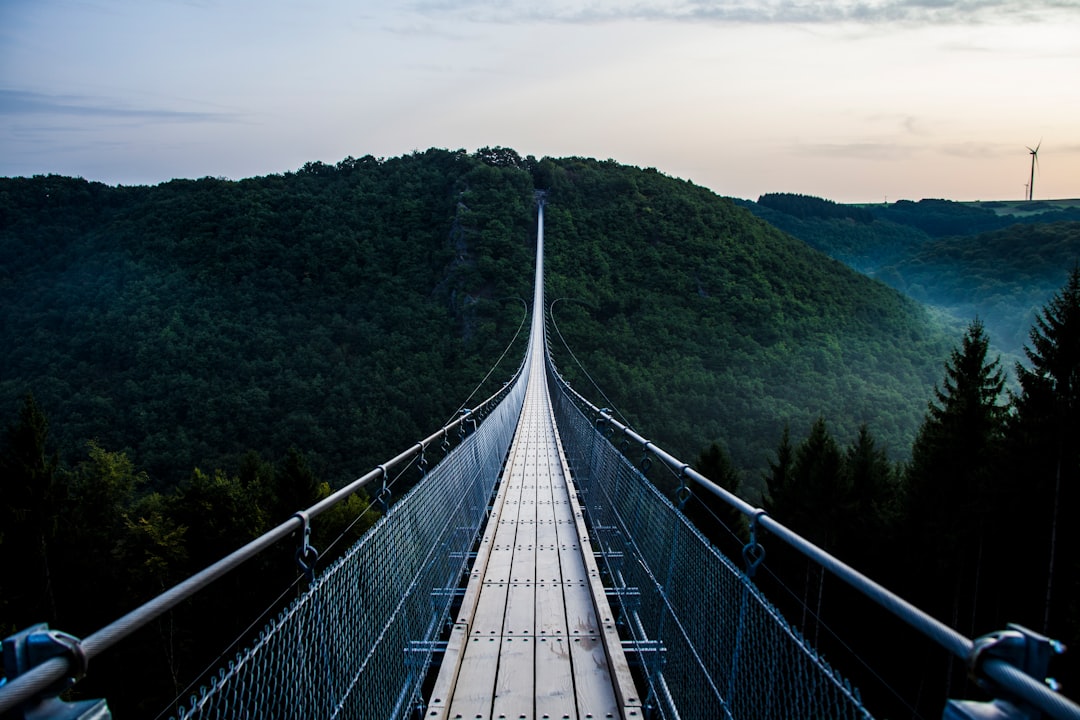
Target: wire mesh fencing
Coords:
[(710, 644), (359, 642)]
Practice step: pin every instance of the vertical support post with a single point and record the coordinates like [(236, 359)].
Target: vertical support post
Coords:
[(1024, 649), (29, 648)]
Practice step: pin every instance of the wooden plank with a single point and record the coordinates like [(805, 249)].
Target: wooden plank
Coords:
[(555, 697), (443, 691), (476, 679), (523, 568), (592, 681), (548, 566), (500, 561), (488, 618), (580, 610), (514, 686), (572, 563), (547, 531), (520, 616), (550, 610)]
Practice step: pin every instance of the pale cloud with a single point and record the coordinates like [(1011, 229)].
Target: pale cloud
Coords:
[(844, 99), (25, 102), (872, 12)]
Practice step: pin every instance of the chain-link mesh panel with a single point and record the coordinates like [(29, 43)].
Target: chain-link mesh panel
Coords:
[(358, 643), (725, 651)]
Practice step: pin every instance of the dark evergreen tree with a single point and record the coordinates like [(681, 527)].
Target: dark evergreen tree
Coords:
[(807, 485), (809, 492), (779, 476), (874, 503), (726, 526), (1046, 434), (297, 486), (31, 494), (953, 490)]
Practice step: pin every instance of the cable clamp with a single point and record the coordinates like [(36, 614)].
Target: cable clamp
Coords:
[(36, 645), (306, 555), (602, 418), (753, 552), (683, 493), (1022, 648), (421, 461), (646, 461), (383, 498), (465, 413)]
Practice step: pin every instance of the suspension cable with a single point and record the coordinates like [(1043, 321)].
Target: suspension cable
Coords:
[(551, 314), (524, 316)]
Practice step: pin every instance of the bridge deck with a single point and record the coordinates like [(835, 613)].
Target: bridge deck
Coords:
[(535, 637)]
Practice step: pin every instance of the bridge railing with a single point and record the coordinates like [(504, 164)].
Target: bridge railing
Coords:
[(358, 642), (700, 605), (710, 645)]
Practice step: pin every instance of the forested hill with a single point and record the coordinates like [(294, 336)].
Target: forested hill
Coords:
[(343, 310), (346, 310), (998, 261)]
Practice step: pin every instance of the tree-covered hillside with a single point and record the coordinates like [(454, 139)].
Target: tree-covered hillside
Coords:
[(345, 310), (997, 261), (704, 324), (851, 235), (1002, 277)]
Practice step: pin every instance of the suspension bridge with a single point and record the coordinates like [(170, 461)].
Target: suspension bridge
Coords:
[(534, 572)]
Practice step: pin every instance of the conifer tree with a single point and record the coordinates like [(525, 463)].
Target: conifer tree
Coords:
[(821, 485), (1047, 433), (31, 493), (954, 477), (872, 480), (715, 464), (817, 498), (779, 476)]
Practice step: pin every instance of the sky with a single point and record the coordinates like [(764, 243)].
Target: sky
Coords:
[(852, 100)]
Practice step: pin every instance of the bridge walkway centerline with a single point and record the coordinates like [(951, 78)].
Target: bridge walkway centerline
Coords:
[(535, 636)]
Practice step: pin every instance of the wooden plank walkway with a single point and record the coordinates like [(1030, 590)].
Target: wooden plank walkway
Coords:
[(535, 637)]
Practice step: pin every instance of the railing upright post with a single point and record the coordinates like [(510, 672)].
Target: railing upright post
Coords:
[(1016, 647), (38, 644)]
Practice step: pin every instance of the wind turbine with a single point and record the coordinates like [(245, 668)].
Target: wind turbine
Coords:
[(1034, 159)]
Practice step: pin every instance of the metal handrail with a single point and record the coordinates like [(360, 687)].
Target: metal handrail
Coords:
[(33, 682), (1003, 674)]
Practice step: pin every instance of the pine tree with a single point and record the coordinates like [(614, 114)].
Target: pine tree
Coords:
[(874, 510), (1047, 435), (32, 494), (819, 505), (779, 476), (715, 464), (955, 454), (952, 488), (954, 477), (818, 473)]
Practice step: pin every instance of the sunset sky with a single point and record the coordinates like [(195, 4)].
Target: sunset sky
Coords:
[(857, 101)]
